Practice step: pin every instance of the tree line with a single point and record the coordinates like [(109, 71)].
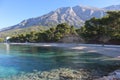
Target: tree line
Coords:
[(53, 34), (102, 30), (95, 30)]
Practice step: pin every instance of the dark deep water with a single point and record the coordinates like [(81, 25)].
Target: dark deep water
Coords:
[(15, 59)]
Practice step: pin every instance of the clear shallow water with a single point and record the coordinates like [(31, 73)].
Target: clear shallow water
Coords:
[(15, 59)]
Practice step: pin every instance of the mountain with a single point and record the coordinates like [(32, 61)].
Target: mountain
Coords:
[(76, 16), (113, 7)]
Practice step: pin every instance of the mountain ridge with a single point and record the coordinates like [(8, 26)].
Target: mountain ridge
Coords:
[(112, 7), (75, 16)]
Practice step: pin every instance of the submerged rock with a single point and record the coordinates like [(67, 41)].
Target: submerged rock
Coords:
[(56, 74), (112, 76)]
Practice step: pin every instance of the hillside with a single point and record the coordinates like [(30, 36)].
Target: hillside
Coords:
[(113, 7), (75, 16), (14, 32)]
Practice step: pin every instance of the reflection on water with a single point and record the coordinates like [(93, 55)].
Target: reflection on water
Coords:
[(29, 58), (7, 48)]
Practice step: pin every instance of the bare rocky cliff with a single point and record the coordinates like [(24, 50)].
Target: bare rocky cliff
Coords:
[(75, 16)]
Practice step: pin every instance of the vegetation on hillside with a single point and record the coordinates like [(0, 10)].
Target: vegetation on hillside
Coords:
[(18, 31), (102, 30), (53, 34)]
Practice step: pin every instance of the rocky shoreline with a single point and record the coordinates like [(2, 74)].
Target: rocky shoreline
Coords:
[(71, 74), (112, 76), (107, 50), (55, 74), (64, 74)]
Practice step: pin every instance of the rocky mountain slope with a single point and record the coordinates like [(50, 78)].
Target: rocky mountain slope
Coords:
[(113, 7), (76, 16)]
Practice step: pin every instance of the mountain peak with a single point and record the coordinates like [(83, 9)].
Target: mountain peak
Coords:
[(75, 16)]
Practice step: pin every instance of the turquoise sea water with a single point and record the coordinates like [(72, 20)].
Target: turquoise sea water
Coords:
[(15, 59)]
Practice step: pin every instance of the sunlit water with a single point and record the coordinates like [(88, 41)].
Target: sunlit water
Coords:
[(15, 59)]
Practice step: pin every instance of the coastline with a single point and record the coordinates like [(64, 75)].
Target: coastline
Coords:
[(112, 51), (108, 50)]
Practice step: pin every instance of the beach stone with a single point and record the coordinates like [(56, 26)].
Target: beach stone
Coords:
[(44, 74), (112, 76), (55, 74)]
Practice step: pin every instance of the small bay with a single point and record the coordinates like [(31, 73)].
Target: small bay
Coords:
[(16, 59)]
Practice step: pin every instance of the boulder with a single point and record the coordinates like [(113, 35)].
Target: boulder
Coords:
[(72, 38), (112, 76)]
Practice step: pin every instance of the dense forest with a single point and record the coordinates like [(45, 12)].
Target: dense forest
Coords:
[(53, 34), (103, 30)]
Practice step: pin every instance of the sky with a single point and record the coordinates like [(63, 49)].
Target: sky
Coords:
[(14, 11)]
